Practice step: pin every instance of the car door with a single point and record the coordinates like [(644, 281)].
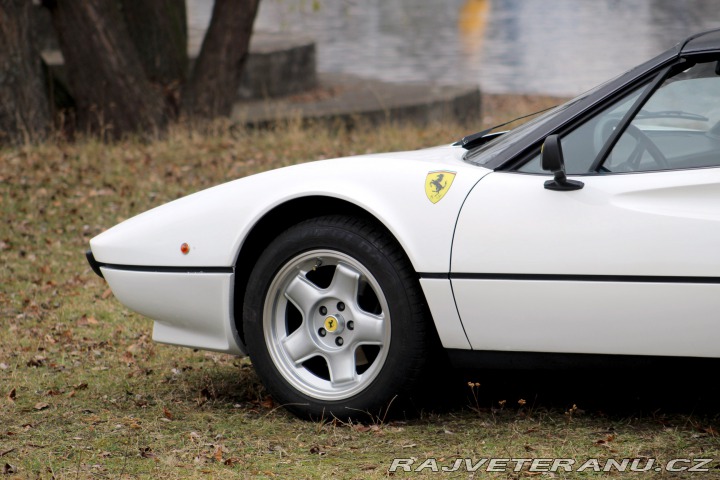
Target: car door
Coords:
[(629, 263)]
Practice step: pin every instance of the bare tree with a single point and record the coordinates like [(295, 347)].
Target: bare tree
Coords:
[(215, 79), (24, 113), (104, 72), (125, 64), (158, 29)]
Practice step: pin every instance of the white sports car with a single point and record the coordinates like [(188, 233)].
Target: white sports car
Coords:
[(339, 278)]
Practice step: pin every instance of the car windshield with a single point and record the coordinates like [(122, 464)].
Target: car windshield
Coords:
[(484, 153)]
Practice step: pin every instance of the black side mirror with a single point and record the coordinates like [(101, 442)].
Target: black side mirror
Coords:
[(552, 159)]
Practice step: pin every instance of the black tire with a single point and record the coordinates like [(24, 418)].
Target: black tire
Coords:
[(364, 290)]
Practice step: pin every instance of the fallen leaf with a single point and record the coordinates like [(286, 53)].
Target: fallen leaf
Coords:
[(9, 469), (267, 402), (316, 450), (218, 454), (106, 294), (12, 395), (232, 461), (36, 361), (168, 414), (147, 452), (605, 441), (41, 406)]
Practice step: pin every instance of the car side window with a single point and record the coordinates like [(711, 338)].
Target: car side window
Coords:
[(582, 145), (677, 128)]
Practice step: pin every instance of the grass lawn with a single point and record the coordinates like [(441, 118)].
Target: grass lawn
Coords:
[(84, 392)]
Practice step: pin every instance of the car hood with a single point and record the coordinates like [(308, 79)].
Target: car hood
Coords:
[(214, 222)]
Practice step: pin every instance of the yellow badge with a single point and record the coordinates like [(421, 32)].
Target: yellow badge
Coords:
[(437, 184), (331, 324)]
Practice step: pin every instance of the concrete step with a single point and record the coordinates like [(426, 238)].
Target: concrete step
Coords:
[(348, 99), (278, 64)]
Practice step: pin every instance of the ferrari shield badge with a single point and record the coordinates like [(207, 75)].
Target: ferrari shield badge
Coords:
[(437, 184)]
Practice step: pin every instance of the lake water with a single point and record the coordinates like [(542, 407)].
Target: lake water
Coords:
[(560, 47)]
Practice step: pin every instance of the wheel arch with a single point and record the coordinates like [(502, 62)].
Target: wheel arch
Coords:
[(279, 219)]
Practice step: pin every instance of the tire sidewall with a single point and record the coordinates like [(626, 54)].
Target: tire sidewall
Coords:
[(396, 375)]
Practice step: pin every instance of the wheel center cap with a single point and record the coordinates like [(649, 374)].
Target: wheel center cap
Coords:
[(334, 323)]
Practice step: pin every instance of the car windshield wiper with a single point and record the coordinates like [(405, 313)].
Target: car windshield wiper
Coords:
[(671, 114), (471, 141)]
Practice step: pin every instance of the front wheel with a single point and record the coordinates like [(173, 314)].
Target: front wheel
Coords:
[(334, 319)]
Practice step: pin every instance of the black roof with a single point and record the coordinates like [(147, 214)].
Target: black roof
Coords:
[(702, 42)]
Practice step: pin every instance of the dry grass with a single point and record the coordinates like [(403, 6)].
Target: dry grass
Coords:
[(84, 393)]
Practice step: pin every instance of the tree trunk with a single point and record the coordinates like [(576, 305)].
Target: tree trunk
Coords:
[(158, 29), (104, 72), (215, 79), (24, 112)]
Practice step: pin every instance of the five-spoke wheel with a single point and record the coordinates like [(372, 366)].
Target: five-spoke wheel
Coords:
[(327, 340), (333, 318)]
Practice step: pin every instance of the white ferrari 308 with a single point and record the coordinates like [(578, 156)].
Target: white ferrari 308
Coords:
[(591, 231)]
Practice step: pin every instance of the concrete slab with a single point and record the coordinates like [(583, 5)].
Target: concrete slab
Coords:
[(278, 64), (348, 98)]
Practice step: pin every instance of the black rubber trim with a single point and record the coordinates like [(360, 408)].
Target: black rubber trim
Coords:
[(442, 276), (155, 269), (94, 264), (572, 278)]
